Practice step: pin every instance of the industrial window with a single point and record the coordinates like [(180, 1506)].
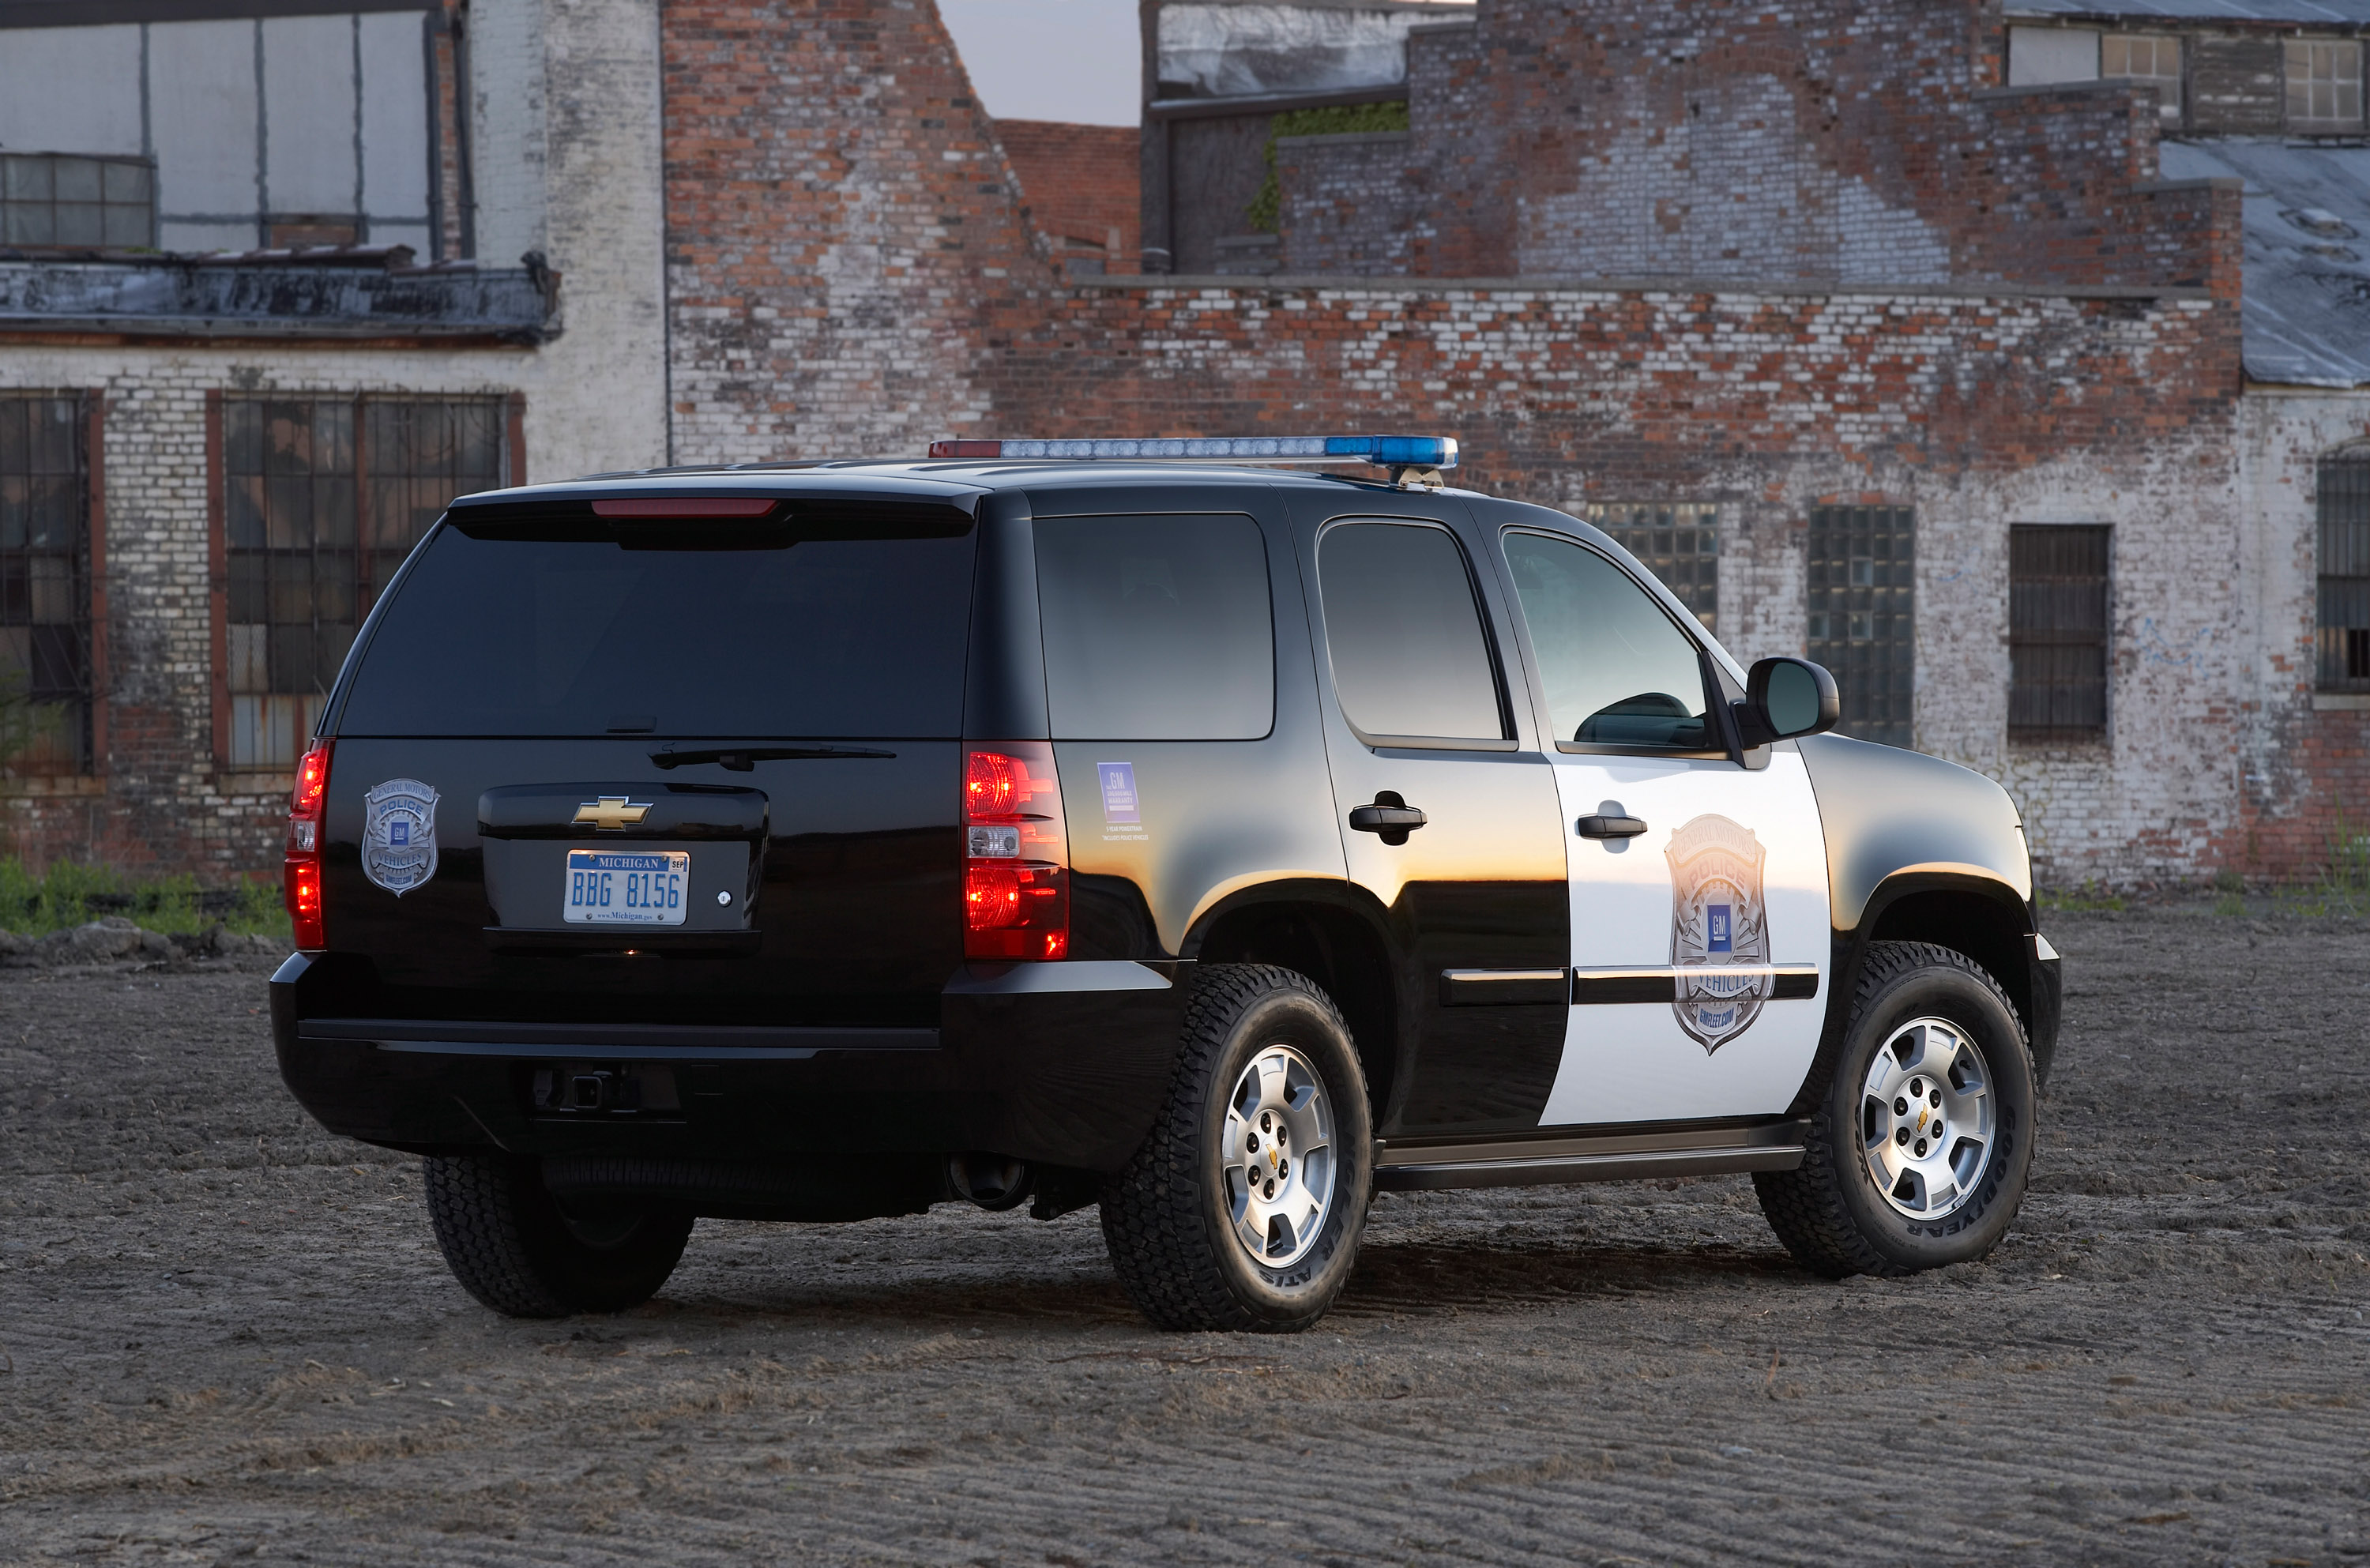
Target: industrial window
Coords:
[(2149, 59), (1678, 542), (1862, 567), (2324, 84), (2057, 632), (2344, 587), (322, 500), (44, 588), (51, 199)]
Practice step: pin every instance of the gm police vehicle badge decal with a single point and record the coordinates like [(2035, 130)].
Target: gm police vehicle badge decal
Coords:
[(1717, 923), (399, 835)]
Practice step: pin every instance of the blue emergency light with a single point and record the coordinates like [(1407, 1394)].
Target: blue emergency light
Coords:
[(1383, 451)]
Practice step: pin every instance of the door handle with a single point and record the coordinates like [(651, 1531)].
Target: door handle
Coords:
[(1610, 826), (1389, 816)]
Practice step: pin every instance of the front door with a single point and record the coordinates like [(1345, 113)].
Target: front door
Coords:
[(1699, 917), (1420, 723)]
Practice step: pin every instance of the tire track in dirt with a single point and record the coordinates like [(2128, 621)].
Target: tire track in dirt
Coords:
[(232, 1341)]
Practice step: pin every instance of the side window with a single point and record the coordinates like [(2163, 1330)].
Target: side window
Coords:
[(1156, 628), (1410, 656), (1618, 671)]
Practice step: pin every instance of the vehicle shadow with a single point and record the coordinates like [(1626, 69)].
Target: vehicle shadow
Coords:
[(1395, 1279)]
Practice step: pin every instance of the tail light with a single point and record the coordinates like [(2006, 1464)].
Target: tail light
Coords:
[(1016, 854), (302, 871)]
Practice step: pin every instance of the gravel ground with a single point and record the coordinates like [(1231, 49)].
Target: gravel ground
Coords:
[(226, 1337)]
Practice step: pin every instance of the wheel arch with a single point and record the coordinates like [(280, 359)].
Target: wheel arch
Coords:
[(1962, 909), (1340, 937)]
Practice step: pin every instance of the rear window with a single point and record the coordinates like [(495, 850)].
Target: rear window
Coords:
[(582, 635), (1156, 628)]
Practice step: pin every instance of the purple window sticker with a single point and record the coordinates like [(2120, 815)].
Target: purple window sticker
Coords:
[(1118, 792)]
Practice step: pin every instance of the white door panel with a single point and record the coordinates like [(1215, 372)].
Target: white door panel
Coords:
[(1643, 1061)]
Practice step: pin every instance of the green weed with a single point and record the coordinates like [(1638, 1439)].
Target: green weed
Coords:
[(2088, 899), (72, 894)]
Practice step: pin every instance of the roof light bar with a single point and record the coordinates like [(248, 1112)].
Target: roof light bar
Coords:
[(1385, 451)]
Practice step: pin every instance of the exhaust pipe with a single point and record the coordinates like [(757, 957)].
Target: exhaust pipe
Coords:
[(991, 1181)]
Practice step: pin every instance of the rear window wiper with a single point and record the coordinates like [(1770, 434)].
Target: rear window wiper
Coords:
[(742, 759)]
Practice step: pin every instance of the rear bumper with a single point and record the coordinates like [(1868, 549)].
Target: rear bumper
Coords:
[(1064, 1064)]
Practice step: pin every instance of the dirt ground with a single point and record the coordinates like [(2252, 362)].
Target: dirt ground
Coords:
[(226, 1337)]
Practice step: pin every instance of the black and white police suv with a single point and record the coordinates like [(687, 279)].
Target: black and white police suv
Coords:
[(1141, 824)]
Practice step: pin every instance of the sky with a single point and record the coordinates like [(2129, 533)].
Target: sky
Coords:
[(1075, 59)]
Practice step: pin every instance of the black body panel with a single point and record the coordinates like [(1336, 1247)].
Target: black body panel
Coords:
[(857, 908)]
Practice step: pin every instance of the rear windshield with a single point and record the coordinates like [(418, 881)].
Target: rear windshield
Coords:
[(583, 636)]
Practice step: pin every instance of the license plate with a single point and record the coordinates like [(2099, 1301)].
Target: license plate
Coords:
[(607, 887)]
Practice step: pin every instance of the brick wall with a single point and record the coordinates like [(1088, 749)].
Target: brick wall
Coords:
[(1354, 201), (1081, 182), (1725, 140), (586, 120), (841, 220)]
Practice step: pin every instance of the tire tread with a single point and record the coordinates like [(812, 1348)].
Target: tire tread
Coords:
[(1805, 1205), (1152, 1213)]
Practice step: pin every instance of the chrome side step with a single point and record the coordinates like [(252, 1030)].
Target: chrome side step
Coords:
[(1613, 1157)]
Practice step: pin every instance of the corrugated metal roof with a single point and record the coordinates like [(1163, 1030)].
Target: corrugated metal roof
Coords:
[(2306, 308), (2323, 13)]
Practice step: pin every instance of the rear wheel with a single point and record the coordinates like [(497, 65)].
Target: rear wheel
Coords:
[(1244, 1208), (515, 1248), (1921, 1140)]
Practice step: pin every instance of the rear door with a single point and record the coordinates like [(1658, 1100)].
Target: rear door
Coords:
[(1700, 916), (1418, 720), (658, 769)]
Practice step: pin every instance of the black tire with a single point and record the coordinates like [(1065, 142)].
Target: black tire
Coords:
[(511, 1245), (1165, 1217), (1829, 1212)]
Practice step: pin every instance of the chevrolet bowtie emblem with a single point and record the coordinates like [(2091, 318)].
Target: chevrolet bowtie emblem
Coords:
[(612, 812)]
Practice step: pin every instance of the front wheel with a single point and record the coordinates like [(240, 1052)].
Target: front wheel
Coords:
[(1244, 1208), (515, 1248), (1921, 1138)]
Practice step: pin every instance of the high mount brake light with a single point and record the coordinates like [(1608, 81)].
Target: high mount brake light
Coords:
[(1383, 451), (301, 872), (1016, 853)]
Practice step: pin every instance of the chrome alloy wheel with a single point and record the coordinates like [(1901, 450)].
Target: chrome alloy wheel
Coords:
[(1279, 1157), (1926, 1118)]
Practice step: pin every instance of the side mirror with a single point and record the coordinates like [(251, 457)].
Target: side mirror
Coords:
[(1785, 698)]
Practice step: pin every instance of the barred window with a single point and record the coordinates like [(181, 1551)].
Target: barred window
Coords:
[(2057, 604), (51, 198), (1862, 575), (2324, 76), (323, 498), (1677, 541), (2343, 617), (44, 588)]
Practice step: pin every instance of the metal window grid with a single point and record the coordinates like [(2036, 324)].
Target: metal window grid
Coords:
[(52, 199), (2342, 621), (45, 696), (1861, 592), (2151, 58), (2324, 82), (1677, 541), (2057, 610), (323, 498)]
